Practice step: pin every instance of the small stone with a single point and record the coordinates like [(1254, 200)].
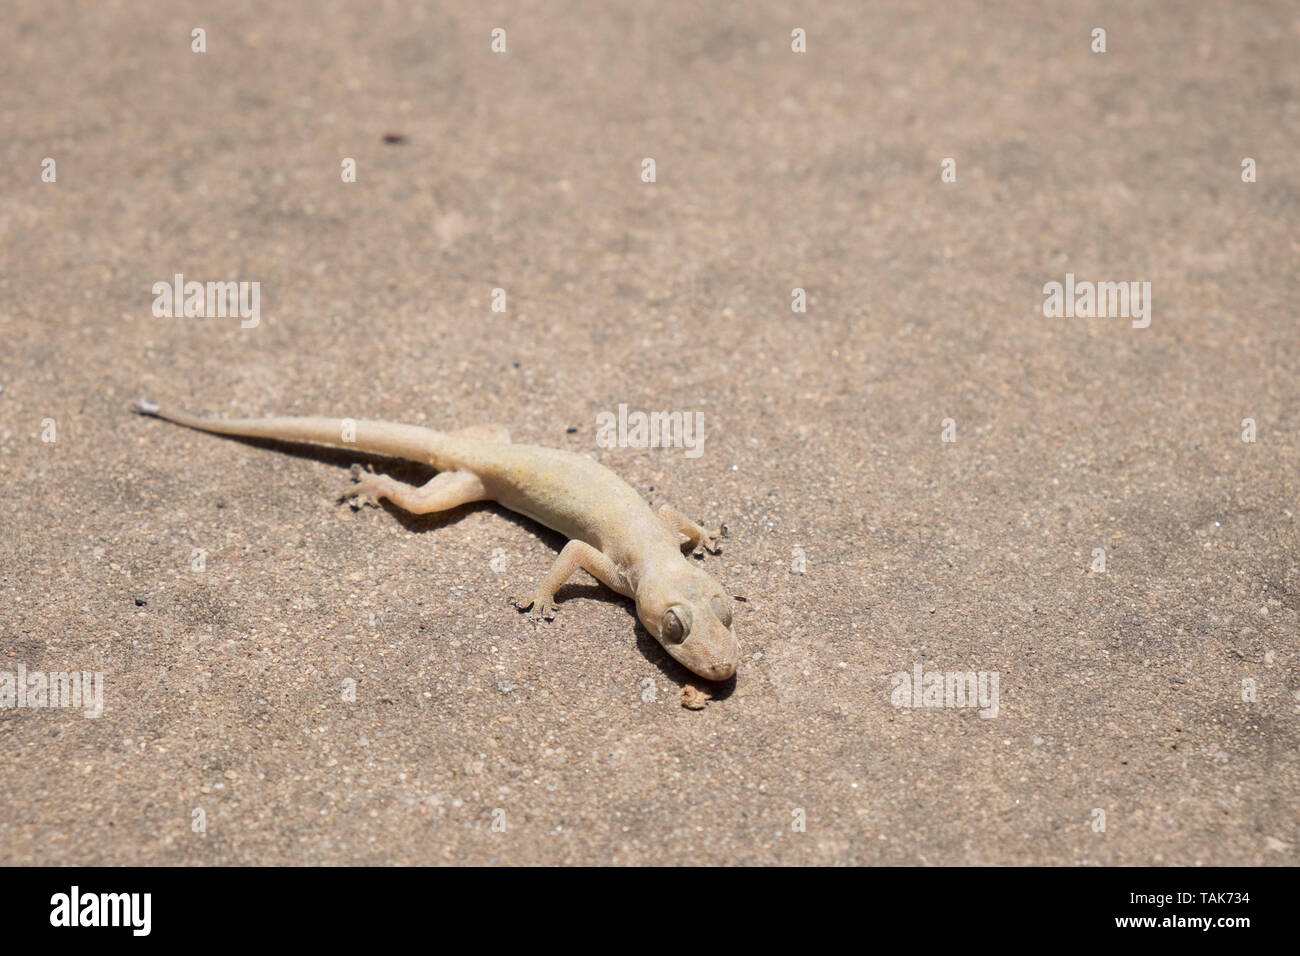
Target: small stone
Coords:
[(694, 699)]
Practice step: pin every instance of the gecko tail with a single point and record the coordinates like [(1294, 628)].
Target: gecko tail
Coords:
[(411, 442)]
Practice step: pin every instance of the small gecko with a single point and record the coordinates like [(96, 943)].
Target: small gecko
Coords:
[(612, 532)]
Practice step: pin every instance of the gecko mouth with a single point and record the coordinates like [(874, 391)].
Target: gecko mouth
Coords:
[(716, 667), (708, 666), (720, 672)]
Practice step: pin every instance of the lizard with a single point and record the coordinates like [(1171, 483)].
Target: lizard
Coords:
[(613, 533)]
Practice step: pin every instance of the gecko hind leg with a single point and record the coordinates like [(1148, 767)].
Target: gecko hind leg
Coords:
[(698, 539), (445, 491)]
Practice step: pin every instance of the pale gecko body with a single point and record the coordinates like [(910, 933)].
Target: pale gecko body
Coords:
[(613, 534)]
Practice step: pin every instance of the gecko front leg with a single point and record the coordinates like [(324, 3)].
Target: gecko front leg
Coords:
[(444, 491), (576, 554), (699, 539)]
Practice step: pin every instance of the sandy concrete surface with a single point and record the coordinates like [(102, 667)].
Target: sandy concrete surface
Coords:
[(1126, 728)]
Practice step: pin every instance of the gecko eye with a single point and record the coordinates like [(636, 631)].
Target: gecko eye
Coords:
[(722, 610), (676, 625)]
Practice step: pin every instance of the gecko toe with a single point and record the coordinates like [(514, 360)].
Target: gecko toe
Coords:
[(708, 543), (364, 488), (538, 609), (711, 541), (358, 497)]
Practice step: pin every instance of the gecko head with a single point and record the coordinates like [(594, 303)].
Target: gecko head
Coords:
[(690, 615)]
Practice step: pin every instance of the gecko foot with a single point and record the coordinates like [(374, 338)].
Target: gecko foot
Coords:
[(710, 541), (543, 608), (363, 489)]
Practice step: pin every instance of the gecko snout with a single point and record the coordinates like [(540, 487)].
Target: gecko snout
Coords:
[(721, 670), (709, 649)]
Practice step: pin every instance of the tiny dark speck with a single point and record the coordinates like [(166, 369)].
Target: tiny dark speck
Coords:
[(394, 138), (140, 602), (516, 364), (571, 431)]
